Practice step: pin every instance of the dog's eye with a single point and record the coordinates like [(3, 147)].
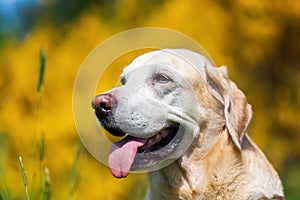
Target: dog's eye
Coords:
[(122, 80), (162, 78)]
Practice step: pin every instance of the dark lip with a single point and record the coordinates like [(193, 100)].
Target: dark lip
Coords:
[(108, 123), (159, 140)]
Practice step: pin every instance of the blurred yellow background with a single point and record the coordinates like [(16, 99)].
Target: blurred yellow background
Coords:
[(258, 40)]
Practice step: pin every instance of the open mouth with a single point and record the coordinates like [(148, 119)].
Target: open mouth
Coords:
[(159, 140), (131, 149)]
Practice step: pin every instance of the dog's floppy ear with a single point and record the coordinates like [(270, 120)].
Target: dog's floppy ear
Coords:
[(237, 111)]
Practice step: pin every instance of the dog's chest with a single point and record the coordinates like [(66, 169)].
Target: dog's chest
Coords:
[(174, 183)]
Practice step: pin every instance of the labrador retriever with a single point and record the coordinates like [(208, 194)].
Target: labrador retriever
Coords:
[(184, 122)]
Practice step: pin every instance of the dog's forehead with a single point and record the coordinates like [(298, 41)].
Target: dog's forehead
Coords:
[(179, 59)]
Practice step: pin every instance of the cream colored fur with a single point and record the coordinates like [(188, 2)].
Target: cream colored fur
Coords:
[(223, 163)]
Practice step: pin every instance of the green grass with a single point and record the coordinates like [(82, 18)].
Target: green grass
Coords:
[(24, 178), (44, 192), (40, 121), (42, 68), (74, 177), (4, 191), (47, 190)]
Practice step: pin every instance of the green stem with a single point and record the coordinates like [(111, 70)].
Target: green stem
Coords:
[(24, 177), (40, 120)]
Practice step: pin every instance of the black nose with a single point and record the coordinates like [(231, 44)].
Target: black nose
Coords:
[(102, 103)]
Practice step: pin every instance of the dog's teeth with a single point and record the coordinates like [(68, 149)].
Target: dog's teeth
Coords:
[(150, 141), (157, 138)]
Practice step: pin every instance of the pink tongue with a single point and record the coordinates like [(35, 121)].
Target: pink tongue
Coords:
[(122, 155)]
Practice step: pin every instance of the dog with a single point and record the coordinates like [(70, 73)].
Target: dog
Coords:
[(184, 122)]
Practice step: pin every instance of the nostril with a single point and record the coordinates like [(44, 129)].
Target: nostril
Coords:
[(102, 103), (104, 106)]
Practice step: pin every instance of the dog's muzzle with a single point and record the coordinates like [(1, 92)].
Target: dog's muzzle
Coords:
[(144, 153)]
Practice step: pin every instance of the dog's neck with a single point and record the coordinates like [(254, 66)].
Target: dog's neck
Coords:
[(198, 173)]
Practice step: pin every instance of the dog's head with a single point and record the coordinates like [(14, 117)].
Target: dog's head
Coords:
[(167, 98)]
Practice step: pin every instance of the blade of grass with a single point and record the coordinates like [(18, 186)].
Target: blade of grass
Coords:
[(4, 191), (74, 178), (47, 192), (42, 70), (24, 177), (4, 194), (42, 67), (41, 167)]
